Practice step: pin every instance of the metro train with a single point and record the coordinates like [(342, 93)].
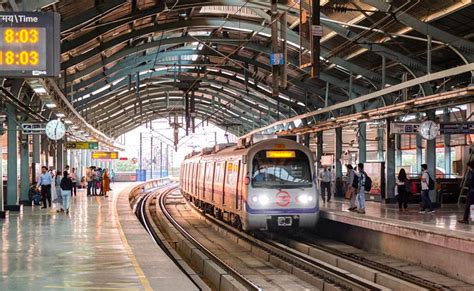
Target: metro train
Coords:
[(266, 185)]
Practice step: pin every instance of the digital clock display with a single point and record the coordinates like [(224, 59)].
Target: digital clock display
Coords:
[(29, 44), (22, 48)]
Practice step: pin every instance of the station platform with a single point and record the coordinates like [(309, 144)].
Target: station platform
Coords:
[(86, 249), (436, 240)]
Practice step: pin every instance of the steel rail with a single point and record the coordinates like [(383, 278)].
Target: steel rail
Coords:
[(327, 272), (373, 265), (237, 275)]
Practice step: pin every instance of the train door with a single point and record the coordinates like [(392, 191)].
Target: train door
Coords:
[(203, 180), (213, 173), (238, 186), (224, 178), (196, 178)]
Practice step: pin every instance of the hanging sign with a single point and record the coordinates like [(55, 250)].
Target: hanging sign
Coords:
[(33, 128), (73, 145), (404, 128), (105, 155), (276, 59), (456, 128)]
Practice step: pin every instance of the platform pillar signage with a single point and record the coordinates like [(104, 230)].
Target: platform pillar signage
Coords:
[(456, 128), (29, 44), (105, 155), (74, 145), (404, 128)]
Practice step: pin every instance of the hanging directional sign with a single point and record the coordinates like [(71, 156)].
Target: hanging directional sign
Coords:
[(404, 127), (74, 145), (276, 59), (33, 128), (456, 128), (105, 155)]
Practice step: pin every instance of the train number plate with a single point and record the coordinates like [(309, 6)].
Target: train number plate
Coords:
[(285, 221)]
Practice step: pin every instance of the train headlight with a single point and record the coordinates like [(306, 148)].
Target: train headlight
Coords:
[(254, 199), (305, 199), (263, 199)]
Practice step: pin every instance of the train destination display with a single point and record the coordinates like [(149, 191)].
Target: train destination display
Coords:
[(29, 44)]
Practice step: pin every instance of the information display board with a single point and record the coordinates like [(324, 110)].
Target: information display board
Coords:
[(457, 128), (29, 44), (76, 145), (105, 155)]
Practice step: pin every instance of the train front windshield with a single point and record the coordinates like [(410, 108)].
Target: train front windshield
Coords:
[(281, 169)]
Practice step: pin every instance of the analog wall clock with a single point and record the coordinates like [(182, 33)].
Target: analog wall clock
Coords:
[(429, 129), (55, 129)]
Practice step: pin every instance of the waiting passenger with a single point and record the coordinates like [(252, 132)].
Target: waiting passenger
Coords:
[(66, 191), (361, 188), (56, 193), (105, 183), (73, 177), (44, 185), (403, 188), (425, 191), (350, 187), (325, 183), (470, 193)]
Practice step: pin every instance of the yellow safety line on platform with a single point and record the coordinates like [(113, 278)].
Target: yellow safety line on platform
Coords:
[(138, 269)]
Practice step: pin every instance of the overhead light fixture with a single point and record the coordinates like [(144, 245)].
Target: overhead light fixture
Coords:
[(60, 115), (50, 105), (68, 121), (39, 90)]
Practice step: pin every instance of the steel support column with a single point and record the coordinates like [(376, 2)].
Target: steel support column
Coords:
[(431, 157), (274, 50), (35, 156), (12, 168), (319, 149), (315, 39), (380, 141), (419, 154), (362, 140), (447, 146), (152, 157), (390, 165), (24, 170), (338, 151), (59, 156), (398, 150)]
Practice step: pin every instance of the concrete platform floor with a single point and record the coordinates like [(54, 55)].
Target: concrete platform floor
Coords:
[(44, 250), (443, 219)]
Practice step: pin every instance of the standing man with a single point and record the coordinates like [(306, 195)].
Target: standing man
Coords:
[(325, 183), (44, 183), (73, 177), (470, 193), (67, 169), (425, 190), (89, 181), (361, 188)]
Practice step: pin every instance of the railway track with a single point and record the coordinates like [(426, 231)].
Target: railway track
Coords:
[(306, 240), (319, 274), (284, 252)]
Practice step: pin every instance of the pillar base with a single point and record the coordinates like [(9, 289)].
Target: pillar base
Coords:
[(2, 214), (25, 202), (12, 207)]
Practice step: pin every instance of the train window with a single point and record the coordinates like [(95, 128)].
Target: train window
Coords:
[(218, 172), (275, 172)]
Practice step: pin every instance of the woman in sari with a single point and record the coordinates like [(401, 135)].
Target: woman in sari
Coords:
[(105, 182)]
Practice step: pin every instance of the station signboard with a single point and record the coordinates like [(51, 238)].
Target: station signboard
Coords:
[(456, 128), (105, 155), (404, 128), (29, 44), (76, 145), (32, 128)]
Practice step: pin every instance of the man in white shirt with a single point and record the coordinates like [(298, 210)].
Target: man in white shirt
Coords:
[(426, 205), (325, 183)]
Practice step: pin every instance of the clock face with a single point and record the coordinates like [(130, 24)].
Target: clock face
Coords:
[(429, 130), (55, 129)]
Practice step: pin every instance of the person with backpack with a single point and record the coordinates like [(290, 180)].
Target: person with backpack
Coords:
[(403, 188), (427, 184), (470, 193), (362, 178), (66, 190)]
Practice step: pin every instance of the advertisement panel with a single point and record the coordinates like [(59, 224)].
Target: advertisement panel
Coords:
[(376, 171)]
